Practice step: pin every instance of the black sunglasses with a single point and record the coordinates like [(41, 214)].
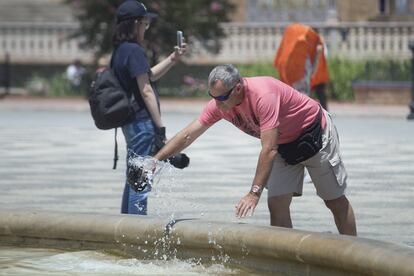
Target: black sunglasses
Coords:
[(224, 97)]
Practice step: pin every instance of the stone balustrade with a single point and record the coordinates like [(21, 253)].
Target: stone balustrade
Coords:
[(245, 42), (41, 43), (259, 42)]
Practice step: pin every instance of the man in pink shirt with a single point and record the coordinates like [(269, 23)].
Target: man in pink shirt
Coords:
[(295, 133)]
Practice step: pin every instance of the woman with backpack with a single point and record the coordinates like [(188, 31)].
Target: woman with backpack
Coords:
[(146, 133)]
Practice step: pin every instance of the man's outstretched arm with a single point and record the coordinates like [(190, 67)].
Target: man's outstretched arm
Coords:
[(181, 140), (264, 166)]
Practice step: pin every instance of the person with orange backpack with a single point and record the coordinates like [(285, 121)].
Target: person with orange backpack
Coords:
[(301, 62)]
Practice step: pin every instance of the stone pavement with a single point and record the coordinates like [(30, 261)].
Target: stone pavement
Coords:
[(53, 158)]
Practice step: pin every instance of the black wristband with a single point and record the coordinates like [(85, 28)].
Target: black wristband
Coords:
[(160, 131)]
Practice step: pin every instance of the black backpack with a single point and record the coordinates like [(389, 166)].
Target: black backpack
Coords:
[(111, 106)]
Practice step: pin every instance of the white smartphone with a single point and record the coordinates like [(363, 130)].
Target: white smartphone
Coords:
[(179, 39)]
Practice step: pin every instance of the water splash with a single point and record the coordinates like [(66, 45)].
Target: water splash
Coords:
[(167, 180)]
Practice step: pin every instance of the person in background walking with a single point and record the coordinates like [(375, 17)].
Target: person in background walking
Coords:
[(74, 74), (320, 79), (301, 63)]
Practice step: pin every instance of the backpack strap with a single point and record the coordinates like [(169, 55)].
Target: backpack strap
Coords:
[(112, 57), (116, 157), (115, 151)]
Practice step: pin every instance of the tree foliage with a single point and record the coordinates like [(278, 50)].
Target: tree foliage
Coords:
[(198, 19)]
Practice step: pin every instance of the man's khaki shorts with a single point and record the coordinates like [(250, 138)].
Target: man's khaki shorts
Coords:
[(326, 170)]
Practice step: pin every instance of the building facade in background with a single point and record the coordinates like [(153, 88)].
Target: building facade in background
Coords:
[(357, 29), (323, 10), (37, 31)]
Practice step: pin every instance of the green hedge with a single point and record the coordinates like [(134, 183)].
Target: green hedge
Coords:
[(55, 85), (342, 73), (258, 69), (191, 81)]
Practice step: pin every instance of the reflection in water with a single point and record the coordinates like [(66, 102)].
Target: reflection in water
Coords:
[(29, 261)]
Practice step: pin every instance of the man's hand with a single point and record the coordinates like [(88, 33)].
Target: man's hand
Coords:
[(246, 204)]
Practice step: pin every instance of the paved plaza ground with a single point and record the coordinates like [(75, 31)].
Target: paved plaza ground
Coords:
[(53, 158)]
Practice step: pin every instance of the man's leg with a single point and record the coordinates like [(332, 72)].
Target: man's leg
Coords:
[(329, 176), (284, 182), (343, 215), (279, 207)]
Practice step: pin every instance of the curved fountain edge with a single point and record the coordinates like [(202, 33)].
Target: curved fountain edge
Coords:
[(262, 248)]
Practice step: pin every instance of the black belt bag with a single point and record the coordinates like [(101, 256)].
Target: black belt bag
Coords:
[(307, 145)]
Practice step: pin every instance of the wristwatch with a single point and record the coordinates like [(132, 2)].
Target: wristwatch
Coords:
[(256, 190)]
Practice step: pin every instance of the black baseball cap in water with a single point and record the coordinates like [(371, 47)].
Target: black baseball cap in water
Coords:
[(132, 9)]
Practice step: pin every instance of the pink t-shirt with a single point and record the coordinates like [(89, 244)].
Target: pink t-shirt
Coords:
[(268, 104)]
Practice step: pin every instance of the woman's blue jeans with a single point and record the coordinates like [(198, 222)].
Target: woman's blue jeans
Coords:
[(139, 138)]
